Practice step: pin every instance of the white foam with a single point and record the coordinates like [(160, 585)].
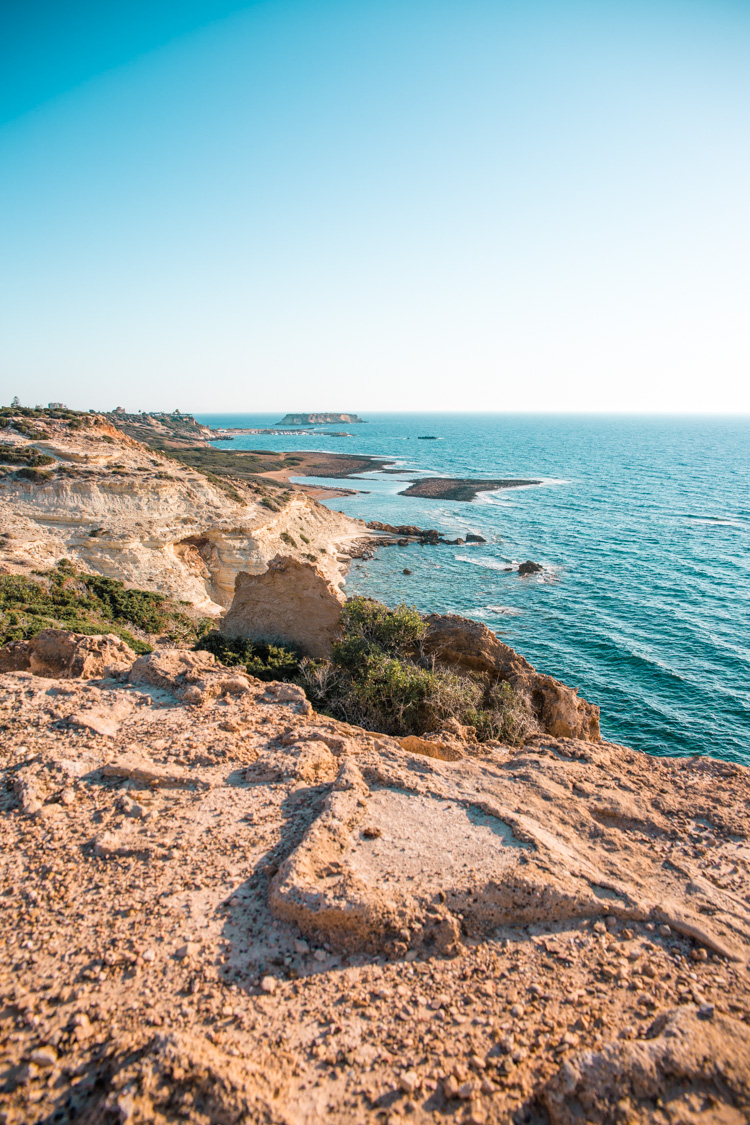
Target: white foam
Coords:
[(489, 564), (498, 611)]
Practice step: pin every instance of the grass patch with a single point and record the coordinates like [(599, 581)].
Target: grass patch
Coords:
[(24, 455), (90, 603)]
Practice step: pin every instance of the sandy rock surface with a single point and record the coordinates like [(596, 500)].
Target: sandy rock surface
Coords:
[(291, 602), (220, 906), (60, 654)]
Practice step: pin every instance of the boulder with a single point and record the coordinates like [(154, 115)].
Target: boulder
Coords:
[(472, 538), (292, 603), (468, 646), (687, 1060), (529, 567), (61, 655), (194, 677)]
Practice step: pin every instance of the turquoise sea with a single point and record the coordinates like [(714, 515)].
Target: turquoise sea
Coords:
[(642, 525)]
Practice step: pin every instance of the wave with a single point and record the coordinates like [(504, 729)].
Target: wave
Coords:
[(488, 564), (498, 611), (710, 519)]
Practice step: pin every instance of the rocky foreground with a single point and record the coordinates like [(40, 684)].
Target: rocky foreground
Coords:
[(220, 906)]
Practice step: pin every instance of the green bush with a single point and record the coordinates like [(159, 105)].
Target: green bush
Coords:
[(285, 537), (36, 476), (368, 625), (263, 659), (23, 455), (90, 603), (378, 678)]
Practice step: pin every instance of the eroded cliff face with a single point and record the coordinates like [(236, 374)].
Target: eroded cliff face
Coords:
[(291, 602), (468, 646), (122, 510)]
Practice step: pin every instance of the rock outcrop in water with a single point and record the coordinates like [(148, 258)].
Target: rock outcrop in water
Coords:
[(319, 419), (222, 906)]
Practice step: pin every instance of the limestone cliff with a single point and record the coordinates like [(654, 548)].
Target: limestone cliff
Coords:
[(89, 493), (291, 602), (469, 646)]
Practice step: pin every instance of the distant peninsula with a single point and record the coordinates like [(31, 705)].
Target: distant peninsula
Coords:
[(450, 488), (318, 419)]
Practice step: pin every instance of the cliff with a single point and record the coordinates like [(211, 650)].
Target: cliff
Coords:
[(318, 419), (168, 431), (222, 906), (79, 488)]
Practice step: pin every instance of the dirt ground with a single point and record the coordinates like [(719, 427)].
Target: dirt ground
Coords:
[(220, 906)]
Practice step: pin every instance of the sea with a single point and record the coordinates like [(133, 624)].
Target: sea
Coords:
[(642, 526)]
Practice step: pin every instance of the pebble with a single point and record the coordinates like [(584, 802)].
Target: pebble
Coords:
[(268, 984), (44, 1056), (148, 955), (450, 1086), (476, 1115), (189, 949), (409, 1082)]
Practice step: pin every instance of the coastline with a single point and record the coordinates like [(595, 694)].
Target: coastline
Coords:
[(346, 467), (321, 464)]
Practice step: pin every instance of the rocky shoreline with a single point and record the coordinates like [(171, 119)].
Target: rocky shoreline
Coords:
[(459, 488)]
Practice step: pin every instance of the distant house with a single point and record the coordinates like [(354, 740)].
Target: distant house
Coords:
[(56, 406)]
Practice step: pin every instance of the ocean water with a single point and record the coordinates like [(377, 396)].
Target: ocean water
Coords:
[(642, 525)]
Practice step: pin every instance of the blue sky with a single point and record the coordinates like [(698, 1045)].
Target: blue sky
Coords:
[(376, 205)]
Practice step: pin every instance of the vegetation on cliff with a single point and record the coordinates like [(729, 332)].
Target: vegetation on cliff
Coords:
[(65, 598), (379, 678), (264, 661)]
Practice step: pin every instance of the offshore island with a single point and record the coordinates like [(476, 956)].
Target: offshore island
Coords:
[(320, 419), (272, 854)]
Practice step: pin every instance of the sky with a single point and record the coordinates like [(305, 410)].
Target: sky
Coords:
[(521, 205)]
